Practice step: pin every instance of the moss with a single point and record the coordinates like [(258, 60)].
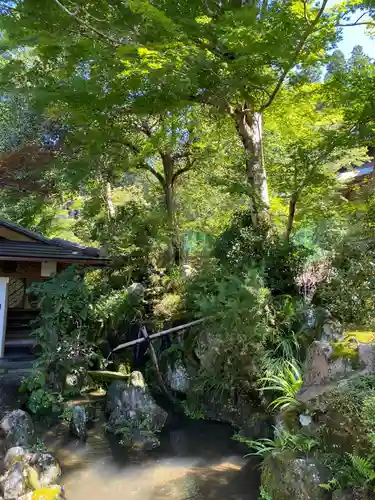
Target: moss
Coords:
[(362, 337), (344, 350), (32, 478), (16, 459), (347, 350), (53, 493)]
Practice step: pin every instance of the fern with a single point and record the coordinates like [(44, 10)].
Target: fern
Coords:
[(283, 440), (362, 469), (288, 382), (332, 485), (263, 495)]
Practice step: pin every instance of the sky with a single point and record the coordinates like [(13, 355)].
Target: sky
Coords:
[(355, 35)]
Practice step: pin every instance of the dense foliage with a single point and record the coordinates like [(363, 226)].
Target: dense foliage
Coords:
[(210, 149)]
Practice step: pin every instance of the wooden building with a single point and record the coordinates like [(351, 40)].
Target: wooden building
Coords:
[(27, 257)]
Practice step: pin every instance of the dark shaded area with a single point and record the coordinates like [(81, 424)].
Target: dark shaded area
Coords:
[(196, 459)]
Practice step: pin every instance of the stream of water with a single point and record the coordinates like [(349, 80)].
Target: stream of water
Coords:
[(196, 461)]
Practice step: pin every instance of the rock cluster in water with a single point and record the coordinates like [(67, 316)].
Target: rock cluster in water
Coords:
[(26, 474), (133, 413)]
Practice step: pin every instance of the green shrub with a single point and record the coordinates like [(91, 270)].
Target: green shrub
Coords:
[(288, 382), (64, 333), (250, 331), (349, 291), (283, 440), (240, 324), (240, 247), (42, 400)]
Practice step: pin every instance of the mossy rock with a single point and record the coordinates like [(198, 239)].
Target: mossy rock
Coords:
[(361, 336), (138, 440), (353, 494), (286, 476), (344, 415), (51, 493), (243, 413), (348, 350)]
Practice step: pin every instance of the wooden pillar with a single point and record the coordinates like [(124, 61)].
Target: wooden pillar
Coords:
[(3, 312)]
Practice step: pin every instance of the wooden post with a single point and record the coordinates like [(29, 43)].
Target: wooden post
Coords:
[(3, 313), (154, 360)]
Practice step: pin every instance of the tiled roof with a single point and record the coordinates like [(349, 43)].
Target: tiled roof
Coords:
[(23, 230), (44, 249)]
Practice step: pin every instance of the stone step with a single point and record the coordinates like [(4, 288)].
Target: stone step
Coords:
[(20, 342)]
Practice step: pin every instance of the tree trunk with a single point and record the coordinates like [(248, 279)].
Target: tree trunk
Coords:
[(250, 129), (110, 206), (168, 166), (292, 211)]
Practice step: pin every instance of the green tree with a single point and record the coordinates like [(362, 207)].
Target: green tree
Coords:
[(304, 152), (336, 64), (232, 56), (358, 59)]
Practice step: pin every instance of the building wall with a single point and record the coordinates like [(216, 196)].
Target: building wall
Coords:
[(21, 275)]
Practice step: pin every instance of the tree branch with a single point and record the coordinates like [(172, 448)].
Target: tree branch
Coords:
[(297, 52), (88, 26), (227, 56), (145, 128), (364, 23), (132, 146), (145, 166), (356, 23), (182, 170), (305, 10)]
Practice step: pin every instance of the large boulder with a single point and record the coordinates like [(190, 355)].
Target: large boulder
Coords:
[(328, 364), (44, 464), (131, 406), (241, 413), (28, 474), (343, 415), (138, 439), (47, 467), (78, 422), (287, 477), (15, 454), (13, 482), (177, 377), (207, 348), (353, 494), (17, 428), (331, 330)]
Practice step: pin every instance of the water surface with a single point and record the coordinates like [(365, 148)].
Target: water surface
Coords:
[(196, 460)]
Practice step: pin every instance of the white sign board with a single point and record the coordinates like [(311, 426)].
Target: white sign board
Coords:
[(3, 312)]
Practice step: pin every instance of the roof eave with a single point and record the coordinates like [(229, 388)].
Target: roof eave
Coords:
[(83, 260)]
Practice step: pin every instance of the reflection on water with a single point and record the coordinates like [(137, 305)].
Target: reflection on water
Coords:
[(196, 460)]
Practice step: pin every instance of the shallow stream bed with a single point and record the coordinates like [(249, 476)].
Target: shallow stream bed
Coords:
[(196, 460)]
